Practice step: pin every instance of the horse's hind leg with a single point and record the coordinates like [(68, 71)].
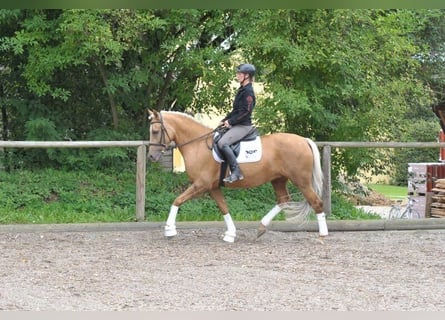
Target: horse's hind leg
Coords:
[(317, 205), (282, 196), (230, 234)]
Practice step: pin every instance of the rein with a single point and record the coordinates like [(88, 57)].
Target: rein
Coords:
[(173, 145), (195, 139)]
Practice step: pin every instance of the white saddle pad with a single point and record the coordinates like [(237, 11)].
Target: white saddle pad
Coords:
[(250, 151)]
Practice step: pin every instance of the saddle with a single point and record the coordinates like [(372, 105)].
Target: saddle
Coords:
[(248, 149)]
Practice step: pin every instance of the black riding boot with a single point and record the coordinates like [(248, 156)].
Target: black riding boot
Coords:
[(235, 172)]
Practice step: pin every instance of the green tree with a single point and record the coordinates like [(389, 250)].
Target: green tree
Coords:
[(90, 69), (130, 58), (341, 75), (328, 74)]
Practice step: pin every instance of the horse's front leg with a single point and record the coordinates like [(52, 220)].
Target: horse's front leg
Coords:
[(230, 234), (191, 192)]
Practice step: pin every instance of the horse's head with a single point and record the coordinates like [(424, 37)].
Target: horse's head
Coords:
[(160, 140)]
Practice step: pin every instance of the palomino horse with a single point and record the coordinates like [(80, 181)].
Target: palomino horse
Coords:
[(285, 157)]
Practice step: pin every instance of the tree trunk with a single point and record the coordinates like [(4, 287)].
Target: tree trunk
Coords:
[(4, 130), (164, 90), (111, 100)]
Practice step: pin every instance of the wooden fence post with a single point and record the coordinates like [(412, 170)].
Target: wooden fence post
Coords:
[(140, 182), (326, 166)]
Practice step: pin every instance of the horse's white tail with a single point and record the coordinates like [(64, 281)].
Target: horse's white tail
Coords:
[(301, 210), (317, 174)]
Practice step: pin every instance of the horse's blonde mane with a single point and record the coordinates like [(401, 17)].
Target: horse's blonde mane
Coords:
[(185, 115)]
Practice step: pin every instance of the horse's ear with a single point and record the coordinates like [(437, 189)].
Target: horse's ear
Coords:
[(151, 114)]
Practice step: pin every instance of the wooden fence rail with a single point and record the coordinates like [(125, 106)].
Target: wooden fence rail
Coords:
[(142, 159)]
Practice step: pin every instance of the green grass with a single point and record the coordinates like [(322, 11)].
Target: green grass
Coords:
[(57, 196), (389, 191)]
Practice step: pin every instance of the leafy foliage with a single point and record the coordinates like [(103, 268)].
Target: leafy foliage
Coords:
[(53, 196), (354, 75), (420, 131), (352, 78)]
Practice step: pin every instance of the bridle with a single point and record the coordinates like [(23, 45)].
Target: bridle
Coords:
[(164, 133), (162, 141)]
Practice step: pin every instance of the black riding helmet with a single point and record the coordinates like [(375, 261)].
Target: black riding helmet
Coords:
[(246, 68)]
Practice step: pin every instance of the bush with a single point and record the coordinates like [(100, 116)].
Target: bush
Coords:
[(54, 196), (42, 129), (61, 196), (419, 131)]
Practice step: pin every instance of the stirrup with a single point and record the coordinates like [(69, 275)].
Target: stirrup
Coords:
[(233, 177)]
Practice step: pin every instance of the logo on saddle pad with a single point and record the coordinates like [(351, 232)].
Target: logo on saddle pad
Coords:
[(245, 151)]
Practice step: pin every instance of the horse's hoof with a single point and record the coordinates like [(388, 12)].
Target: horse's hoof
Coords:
[(261, 230), (170, 231), (321, 239), (229, 237)]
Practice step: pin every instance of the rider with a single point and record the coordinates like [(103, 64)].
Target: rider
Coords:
[(239, 120)]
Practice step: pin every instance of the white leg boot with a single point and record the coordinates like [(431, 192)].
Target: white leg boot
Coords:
[(270, 215), (267, 219), (170, 227), (230, 234), (322, 226)]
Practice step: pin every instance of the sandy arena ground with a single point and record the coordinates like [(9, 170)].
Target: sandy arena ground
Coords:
[(281, 271)]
